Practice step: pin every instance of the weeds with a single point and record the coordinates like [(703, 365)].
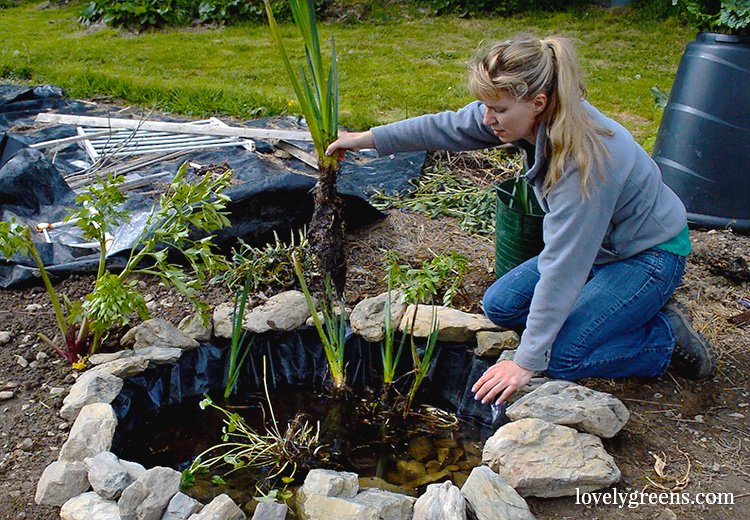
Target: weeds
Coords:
[(442, 275)]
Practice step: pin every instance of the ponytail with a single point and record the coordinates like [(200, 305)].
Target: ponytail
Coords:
[(526, 67)]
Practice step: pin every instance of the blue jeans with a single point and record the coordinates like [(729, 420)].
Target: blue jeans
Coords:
[(615, 328)]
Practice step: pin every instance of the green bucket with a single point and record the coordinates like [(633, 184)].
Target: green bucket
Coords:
[(518, 235)]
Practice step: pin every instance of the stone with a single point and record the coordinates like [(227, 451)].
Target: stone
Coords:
[(147, 498), (220, 508), (181, 507), (491, 344), (91, 433), (107, 476), (22, 361), (5, 337), (33, 307), (222, 320), (6, 395), (60, 482), (100, 359), (89, 506), (125, 367), (453, 325), (41, 356), (160, 355), (54, 391), (329, 483), (569, 404), (157, 332), (133, 468), (441, 502), (283, 312), (368, 317), (91, 387), (25, 445), (193, 327), (386, 505), (321, 507), (542, 459), (489, 497), (271, 511)]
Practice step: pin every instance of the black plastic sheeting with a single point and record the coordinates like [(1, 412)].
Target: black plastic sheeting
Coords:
[(297, 359), (271, 196)]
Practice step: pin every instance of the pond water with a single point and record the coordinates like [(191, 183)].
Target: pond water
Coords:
[(385, 449)]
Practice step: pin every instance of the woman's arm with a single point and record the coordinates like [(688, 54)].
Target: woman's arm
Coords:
[(455, 131)]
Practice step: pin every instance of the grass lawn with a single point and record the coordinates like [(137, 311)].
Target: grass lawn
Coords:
[(387, 71)]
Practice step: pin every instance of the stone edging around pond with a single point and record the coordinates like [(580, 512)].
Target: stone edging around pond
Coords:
[(551, 449)]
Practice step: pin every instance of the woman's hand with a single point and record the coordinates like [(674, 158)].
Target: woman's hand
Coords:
[(505, 377), (350, 141)]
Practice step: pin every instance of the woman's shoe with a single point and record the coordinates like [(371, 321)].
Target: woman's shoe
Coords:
[(692, 357)]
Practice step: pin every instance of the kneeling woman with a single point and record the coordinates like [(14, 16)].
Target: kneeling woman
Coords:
[(594, 302)]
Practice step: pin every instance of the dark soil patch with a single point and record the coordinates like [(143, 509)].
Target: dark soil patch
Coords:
[(701, 430)]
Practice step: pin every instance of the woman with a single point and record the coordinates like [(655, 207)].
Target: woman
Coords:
[(594, 302)]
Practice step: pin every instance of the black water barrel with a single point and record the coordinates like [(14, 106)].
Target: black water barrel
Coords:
[(703, 145)]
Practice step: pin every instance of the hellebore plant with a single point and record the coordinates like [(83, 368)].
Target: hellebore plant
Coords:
[(318, 96), (115, 298)]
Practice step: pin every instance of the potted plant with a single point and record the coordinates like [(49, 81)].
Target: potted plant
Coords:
[(702, 145)]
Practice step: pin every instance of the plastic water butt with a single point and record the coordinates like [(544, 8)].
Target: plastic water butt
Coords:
[(703, 145)]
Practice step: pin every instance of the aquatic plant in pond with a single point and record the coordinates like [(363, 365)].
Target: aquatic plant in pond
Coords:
[(185, 206), (331, 329), (238, 348), (318, 97)]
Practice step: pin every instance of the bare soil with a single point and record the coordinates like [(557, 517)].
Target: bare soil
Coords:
[(701, 431)]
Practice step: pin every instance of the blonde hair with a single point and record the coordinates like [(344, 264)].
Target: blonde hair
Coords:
[(526, 67)]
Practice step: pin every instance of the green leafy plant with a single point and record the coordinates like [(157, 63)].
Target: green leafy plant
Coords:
[(726, 16), (331, 329), (238, 348), (266, 267), (390, 360), (421, 363), (274, 452), (317, 93), (442, 274), (184, 207)]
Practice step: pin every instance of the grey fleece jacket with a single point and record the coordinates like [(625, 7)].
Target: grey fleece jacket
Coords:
[(629, 209)]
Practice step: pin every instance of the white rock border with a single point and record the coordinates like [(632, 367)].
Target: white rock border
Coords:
[(129, 363)]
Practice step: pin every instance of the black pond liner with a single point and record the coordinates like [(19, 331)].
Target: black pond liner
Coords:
[(296, 360)]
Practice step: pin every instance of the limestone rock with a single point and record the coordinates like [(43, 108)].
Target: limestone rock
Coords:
[(158, 332), (107, 476), (491, 344), (283, 312), (91, 433), (441, 502), (60, 482), (90, 388), (321, 507), (181, 507), (221, 508), (329, 483), (160, 355), (133, 468), (100, 359), (5, 337), (147, 498), (193, 327), (89, 506), (271, 511), (490, 497), (368, 317), (386, 505), (6, 395), (125, 367), (453, 325), (569, 404), (222, 320), (542, 459)]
